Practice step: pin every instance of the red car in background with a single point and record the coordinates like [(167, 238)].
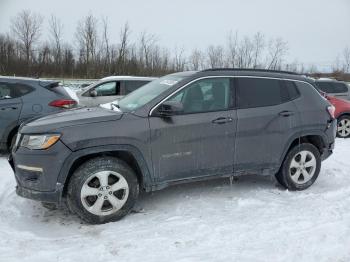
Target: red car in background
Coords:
[(342, 114)]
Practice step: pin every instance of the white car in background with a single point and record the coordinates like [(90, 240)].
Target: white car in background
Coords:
[(109, 89)]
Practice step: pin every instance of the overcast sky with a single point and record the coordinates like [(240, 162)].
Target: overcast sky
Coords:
[(316, 30)]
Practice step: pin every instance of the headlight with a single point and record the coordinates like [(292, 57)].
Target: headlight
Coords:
[(39, 141)]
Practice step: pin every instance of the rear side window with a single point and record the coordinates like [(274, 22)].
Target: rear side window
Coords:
[(14, 90), (332, 87), (131, 86), (259, 92)]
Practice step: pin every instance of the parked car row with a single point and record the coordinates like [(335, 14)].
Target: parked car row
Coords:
[(182, 127)]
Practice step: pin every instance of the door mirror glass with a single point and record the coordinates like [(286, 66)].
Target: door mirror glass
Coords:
[(170, 108)]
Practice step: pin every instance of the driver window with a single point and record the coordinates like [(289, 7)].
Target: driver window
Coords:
[(212, 94), (108, 89)]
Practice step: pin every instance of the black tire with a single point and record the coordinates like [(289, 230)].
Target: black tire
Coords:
[(346, 117), (49, 206), (284, 176), (84, 174)]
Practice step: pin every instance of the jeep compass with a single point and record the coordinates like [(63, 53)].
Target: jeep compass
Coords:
[(179, 128)]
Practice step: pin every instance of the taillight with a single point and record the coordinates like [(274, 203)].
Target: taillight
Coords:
[(331, 111), (63, 103)]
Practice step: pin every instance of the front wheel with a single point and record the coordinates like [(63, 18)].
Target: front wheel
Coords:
[(300, 167), (102, 190), (343, 127)]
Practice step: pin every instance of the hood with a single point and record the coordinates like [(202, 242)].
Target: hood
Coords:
[(68, 118)]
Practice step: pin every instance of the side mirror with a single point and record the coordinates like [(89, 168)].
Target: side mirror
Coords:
[(170, 108), (93, 93)]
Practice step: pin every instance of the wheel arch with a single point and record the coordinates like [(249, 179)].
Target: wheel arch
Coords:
[(129, 154), (347, 113), (317, 139)]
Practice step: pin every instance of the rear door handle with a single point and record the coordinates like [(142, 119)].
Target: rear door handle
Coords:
[(286, 113), (222, 120)]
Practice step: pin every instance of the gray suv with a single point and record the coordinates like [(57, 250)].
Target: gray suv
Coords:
[(182, 127), (22, 99)]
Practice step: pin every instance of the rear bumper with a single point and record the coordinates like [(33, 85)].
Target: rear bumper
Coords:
[(327, 152)]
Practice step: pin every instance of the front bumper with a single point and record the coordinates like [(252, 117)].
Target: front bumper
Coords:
[(37, 172)]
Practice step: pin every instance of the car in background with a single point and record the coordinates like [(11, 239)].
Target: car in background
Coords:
[(109, 89), (342, 114), (334, 88), (22, 99)]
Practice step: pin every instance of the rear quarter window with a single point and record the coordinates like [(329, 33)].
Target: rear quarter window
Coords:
[(292, 90)]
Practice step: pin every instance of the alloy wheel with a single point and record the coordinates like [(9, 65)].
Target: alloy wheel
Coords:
[(343, 128), (302, 167), (104, 193)]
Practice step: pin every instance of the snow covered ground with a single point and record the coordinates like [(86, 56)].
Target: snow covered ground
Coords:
[(252, 220)]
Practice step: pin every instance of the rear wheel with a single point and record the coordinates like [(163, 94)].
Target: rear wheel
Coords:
[(343, 127), (300, 168), (102, 190)]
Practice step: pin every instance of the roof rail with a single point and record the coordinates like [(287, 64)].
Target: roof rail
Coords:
[(250, 70)]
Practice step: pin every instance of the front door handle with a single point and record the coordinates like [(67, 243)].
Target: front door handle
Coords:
[(222, 120), (286, 113)]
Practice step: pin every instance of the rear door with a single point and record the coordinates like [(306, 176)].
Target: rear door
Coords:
[(10, 109), (266, 118)]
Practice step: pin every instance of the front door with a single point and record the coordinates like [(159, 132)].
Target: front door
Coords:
[(200, 141)]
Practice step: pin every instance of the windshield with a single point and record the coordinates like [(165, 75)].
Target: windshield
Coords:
[(146, 93)]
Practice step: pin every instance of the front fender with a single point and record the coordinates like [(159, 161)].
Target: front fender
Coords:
[(74, 156)]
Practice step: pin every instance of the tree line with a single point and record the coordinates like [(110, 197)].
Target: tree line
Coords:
[(24, 52)]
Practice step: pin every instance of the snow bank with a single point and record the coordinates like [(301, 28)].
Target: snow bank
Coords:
[(252, 220)]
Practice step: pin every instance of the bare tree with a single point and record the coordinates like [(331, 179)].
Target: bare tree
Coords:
[(196, 60), (245, 53), (258, 47), (106, 46), (346, 56), (215, 56), (147, 42), (26, 26), (123, 46), (179, 59), (55, 30), (86, 34), (277, 49), (232, 51)]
